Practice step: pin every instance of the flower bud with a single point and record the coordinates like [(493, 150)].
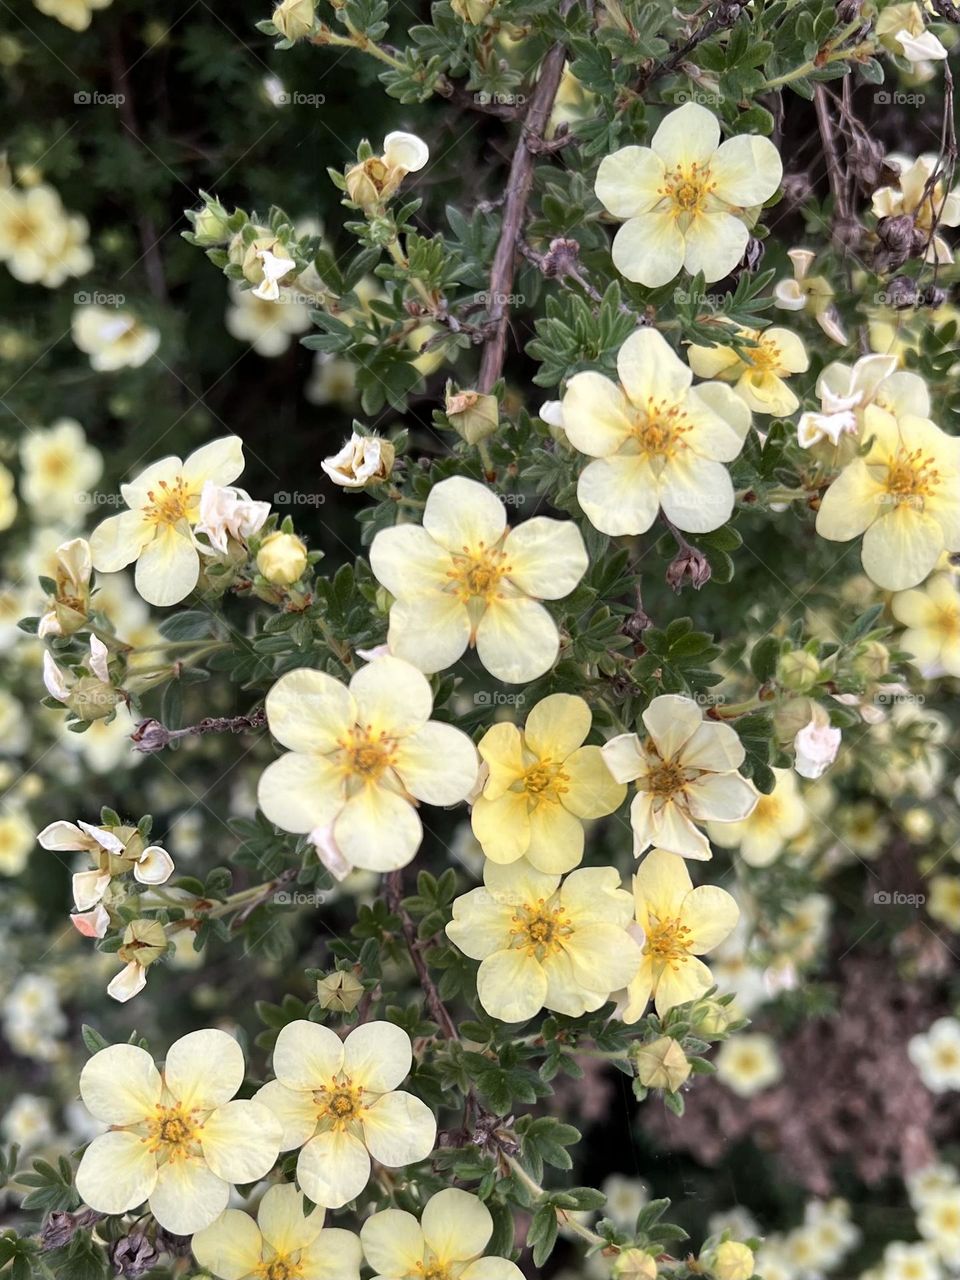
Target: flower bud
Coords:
[(366, 182), (363, 460), (252, 262), (144, 941), (472, 415), (472, 11), (661, 1064), (210, 226), (282, 558), (340, 991), (635, 1264), (713, 1018), (731, 1260), (872, 660), (91, 699), (294, 18), (798, 671), (790, 718)]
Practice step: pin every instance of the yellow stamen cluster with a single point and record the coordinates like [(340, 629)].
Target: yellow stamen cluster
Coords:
[(911, 477), (669, 941), (659, 428), (340, 1102), (366, 754), (477, 574), (540, 929), (687, 189), (169, 503), (172, 1131)]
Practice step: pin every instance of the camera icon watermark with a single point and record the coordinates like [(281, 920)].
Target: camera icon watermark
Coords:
[(497, 698), (97, 299), (93, 98), (486, 99), (701, 96), (894, 898), (897, 98), (297, 99), (298, 498), (297, 898)]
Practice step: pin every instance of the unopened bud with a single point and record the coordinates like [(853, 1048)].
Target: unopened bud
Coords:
[(872, 660), (798, 671), (282, 558), (731, 1260), (366, 183), (635, 1264), (294, 18), (661, 1064), (91, 699), (472, 11), (472, 415), (688, 564), (210, 226), (143, 941), (901, 293), (340, 991), (713, 1018)]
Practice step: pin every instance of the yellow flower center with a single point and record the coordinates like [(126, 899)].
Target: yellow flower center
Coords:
[(540, 929), (55, 464), (666, 779), (169, 503), (659, 429), (367, 755), (545, 780), (282, 1267), (767, 809), (433, 1270), (765, 357), (340, 1103), (172, 1131), (947, 622), (911, 477), (477, 574), (687, 189), (669, 940)]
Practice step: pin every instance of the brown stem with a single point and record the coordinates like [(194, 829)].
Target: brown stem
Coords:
[(519, 182), (438, 1010), (151, 735)]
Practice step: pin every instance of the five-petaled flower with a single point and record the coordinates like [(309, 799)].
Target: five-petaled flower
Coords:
[(678, 924), (463, 578), (758, 373), (454, 1229), (687, 198), (283, 1244), (686, 774), (541, 783), (903, 495), (543, 944), (175, 1139), (338, 1100), (359, 758), (657, 441), (157, 531)]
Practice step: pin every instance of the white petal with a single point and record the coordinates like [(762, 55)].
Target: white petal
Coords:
[(399, 1129), (120, 1084), (307, 1055), (188, 1196), (116, 1173), (333, 1168), (377, 1056), (231, 1247), (241, 1141), (154, 866), (204, 1068)]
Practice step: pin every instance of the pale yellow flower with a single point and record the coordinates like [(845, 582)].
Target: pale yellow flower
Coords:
[(943, 901), (678, 923), (16, 841), (113, 339), (175, 1139), (748, 1063), (542, 782), (269, 327), (59, 469), (687, 198), (686, 774), (284, 1242), (901, 29), (814, 294), (157, 531), (758, 373), (360, 757), (657, 441), (8, 500), (939, 1222), (463, 578), (936, 1055), (454, 1229), (846, 391), (338, 1100), (543, 944), (39, 241), (931, 615), (75, 14), (776, 819), (927, 206), (363, 460)]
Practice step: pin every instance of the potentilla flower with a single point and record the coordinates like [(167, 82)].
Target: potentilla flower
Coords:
[(939, 1222), (363, 460), (804, 292), (775, 820), (157, 531), (931, 616), (758, 373), (463, 578), (541, 783), (901, 29), (360, 757), (112, 851), (454, 1229), (75, 14), (91, 696), (748, 1063), (928, 204), (686, 773), (284, 1242), (226, 512), (936, 1055), (543, 944), (943, 900), (373, 181), (113, 339), (338, 1100), (59, 468), (816, 745), (68, 610), (175, 1139), (267, 327), (677, 924), (687, 198), (39, 241), (903, 496), (658, 441)]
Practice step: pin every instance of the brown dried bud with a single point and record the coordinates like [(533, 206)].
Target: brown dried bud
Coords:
[(847, 11), (134, 1255), (60, 1228), (896, 234), (560, 257), (901, 293), (933, 296), (688, 563)]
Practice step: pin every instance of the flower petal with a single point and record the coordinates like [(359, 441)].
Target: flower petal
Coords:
[(715, 747), (851, 504), (154, 866), (204, 1069), (429, 631), (392, 697), (661, 885), (307, 1055), (120, 1084), (517, 640), (689, 135), (408, 561), (714, 244), (188, 1196), (378, 830), (901, 548), (481, 924), (116, 1172), (502, 826), (671, 720), (595, 414), (511, 985), (628, 181), (62, 837), (557, 726), (619, 495), (220, 461), (438, 764), (241, 1141), (334, 1255), (721, 797), (392, 1242), (711, 914), (696, 493), (746, 170), (624, 757), (556, 838), (650, 369), (377, 1056), (294, 1108), (399, 1129), (309, 711), (168, 568), (687, 980), (231, 1247), (545, 558), (301, 792), (463, 513), (456, 1225), (649, 250), (592, 791), (118, 540), (333, 1168)]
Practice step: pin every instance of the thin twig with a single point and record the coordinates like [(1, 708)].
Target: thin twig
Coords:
[(151, 735), (438, 1010)]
